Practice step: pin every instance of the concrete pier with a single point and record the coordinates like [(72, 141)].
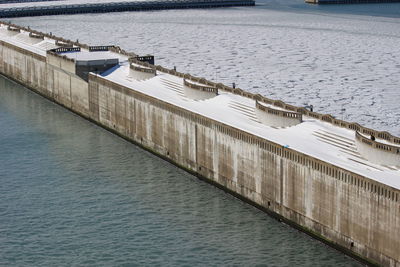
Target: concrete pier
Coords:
[(58, 9), (310, 174)]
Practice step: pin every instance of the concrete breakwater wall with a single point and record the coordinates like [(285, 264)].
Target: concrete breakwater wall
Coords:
[(67, 8), (350, 211), (323, 2)]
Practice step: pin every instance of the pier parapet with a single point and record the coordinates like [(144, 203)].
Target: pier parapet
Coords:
[(60, 61), (198, 90), (36, 36), (143, 69), (13, 29), (319, 116), (58, 40), (141, 72), (98, 48), (63, 44), (147, 58), (277, 117), (377, 151)]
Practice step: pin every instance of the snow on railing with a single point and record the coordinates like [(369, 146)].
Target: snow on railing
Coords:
[(143, 69), (66, 49), (200, 87), (14, 29), (98, 48), (278, 112), (378, 152), (277, 117), (62, 44), (37, 36), (378, 145)]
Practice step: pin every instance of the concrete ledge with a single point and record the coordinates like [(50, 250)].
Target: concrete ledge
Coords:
[(37, 36), (277, 117), (378, 152), (13, 29), (100, 48), (141, 73), (143, 69), (198, 90), (63, 44), (199, 87)]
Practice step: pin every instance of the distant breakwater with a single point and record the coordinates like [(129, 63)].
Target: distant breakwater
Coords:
[(24, 1), (117, 7), (322, 2)]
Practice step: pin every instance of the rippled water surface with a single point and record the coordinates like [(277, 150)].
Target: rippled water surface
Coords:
[(74, 194), (343, 59)]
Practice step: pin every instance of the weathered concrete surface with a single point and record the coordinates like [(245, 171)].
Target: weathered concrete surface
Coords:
[(141, 75), (275, 120), (341, 210), (354, 212), (378, 151)]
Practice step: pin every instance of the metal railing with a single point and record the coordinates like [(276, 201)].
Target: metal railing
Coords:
[(100, 48)]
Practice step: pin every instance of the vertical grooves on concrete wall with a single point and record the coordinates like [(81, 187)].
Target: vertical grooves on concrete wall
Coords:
[(195, 145), (281, 184)]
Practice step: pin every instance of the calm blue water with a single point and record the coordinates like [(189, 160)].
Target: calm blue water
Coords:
[(74, 194)]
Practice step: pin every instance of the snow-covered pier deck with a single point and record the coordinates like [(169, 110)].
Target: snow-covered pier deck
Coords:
[(25, 9)]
